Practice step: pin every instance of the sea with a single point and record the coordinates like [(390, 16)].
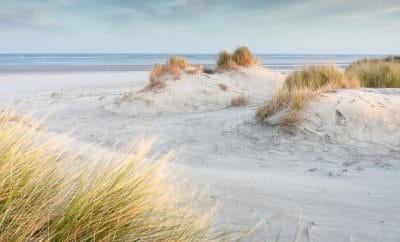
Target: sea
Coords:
[(137, 62)]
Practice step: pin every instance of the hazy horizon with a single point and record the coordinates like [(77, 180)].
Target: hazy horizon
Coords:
[(181, 53), (197, 27)]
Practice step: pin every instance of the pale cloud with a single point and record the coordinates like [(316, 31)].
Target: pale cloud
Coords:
[(140, 25), (394, 9), (33, 15)]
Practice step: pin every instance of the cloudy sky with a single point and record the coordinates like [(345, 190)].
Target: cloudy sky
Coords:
[(200, 26)]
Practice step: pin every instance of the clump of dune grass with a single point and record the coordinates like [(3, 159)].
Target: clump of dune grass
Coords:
[(377, 73), (241, 57), (225, 61), (175, 65), (239, 101), (155, 76), (49, 194), (317, 77), (174, 68), (302, 86)]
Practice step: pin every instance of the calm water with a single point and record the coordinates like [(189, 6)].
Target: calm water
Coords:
[(282, 62)]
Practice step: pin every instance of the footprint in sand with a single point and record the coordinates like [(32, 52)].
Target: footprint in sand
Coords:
[(340, 119)]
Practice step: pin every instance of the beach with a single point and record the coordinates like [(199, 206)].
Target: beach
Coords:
[(334, 179)]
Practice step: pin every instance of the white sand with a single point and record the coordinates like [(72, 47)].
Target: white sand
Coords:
[(336, 179)]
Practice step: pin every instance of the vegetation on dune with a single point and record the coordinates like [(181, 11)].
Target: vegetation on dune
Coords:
[(175, 66), (47, 194), (302, 86), (155, 76), (317, 77), (377, 73), (239, 101), (225, 61), (241, 57), (394, 58)]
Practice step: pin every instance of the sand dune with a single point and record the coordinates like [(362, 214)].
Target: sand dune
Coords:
[(333, 179), (361, 119), (201, 93)]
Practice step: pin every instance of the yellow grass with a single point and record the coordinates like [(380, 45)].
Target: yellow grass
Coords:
[(302, 86), (175, 65), (239, 101), (49, 194), (241, 57), (155, 76), (225, 61), (377, 73)]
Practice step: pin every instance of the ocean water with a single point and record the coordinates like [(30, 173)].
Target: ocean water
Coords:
[(282, 62)]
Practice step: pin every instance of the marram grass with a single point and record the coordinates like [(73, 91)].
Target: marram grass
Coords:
[(377, 73), (241, 57), (49, 194), (302, 86), (174, 68)]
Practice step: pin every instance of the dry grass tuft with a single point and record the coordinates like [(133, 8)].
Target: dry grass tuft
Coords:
[(175, 65), (243, 57), (239, 101), (377, 73), (317, 77), (223, 87), (155, 76), (302, 86), (225, 61), (48, 194)]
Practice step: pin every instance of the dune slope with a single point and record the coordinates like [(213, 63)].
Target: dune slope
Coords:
[(333, 179)]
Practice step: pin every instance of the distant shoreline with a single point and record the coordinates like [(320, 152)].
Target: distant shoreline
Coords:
[(25, 63), (71, 68), (67, 68)]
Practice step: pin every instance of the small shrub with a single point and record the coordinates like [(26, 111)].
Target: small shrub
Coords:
[(378, 73), (155, 76), (302, 86), (239, 101), (223, 87), (225, 61), (47, 194), (243, 57)]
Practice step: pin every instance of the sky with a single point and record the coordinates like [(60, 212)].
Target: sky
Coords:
[(200, 26)]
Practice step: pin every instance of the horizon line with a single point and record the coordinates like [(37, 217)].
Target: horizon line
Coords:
[(184, 53)]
